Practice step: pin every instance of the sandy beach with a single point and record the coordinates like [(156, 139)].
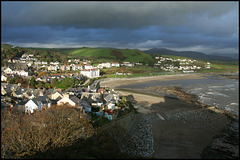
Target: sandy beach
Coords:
[(188, 128), (116, 82)]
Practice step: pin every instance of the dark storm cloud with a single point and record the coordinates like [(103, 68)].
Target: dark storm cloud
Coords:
[(123, 24), (110, 14)]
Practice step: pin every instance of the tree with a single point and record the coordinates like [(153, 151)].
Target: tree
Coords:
[(151, 63), (65, 83), (32, 82), (25, 135), (14, 80)]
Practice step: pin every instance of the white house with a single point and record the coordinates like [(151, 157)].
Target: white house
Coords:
[(111, 106), (55, 95), (37, 62), (54, 63), (23, 73), (88, 67), (44, 62), (29, 63), (8, 71), (114, 64), (106, 65), (51, 67), (3, 78), (65, 100), (32, 105), (128, 64), (91, 73), (62, 67), (73, 101), (37, 104)]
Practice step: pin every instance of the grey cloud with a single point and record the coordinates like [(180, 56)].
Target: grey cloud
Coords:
[(123, 24), (112, 14)]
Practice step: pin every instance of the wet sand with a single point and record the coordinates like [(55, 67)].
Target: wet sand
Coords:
[(186, 139)]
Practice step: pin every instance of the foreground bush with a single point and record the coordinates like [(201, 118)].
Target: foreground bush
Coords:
[(25, 135)]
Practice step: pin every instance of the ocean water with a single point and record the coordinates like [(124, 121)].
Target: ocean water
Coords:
[(214, 91), (221, 93)]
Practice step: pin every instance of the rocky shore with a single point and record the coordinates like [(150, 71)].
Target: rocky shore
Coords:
[(174, 91)]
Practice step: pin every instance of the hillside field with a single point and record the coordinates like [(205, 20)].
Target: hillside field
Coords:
[(119, 55)]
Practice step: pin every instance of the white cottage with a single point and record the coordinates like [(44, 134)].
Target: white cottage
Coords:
[(32, 105), (3, 78)]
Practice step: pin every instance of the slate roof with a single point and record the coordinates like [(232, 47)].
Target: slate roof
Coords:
[(43, 99), (36, 92), (29, 93), (8, 89), (20, 91), (108, 97), (23, 102), (88, 100), (85, 103), (47, 92), (74, 99)]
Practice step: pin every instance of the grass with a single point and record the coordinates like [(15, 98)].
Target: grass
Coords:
[(109, 54), (217, 66)]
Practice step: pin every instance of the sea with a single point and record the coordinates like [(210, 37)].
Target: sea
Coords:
[(212, 90), (215, 91)]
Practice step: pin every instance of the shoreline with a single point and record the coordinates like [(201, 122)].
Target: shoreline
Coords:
[(116, 82), (176, 138), (234, 75)]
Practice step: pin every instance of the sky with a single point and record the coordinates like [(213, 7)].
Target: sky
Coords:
[(203, 26)]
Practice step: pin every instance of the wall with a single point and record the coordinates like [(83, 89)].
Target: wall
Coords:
[(125, 121)]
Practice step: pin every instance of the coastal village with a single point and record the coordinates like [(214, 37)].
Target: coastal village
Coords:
[(125, 80), (102, 106), (90, 98)]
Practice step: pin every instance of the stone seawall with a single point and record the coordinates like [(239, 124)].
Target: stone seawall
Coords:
[(137, 140), (125, 122)]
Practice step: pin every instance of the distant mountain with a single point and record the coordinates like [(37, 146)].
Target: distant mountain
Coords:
[(189, 54), (232, 55)]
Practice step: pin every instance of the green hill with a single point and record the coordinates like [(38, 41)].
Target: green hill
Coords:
[(6, 46), (189, 54), (110, 54), (96, 54)]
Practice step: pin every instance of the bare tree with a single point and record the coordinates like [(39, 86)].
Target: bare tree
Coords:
[(24, 135)]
